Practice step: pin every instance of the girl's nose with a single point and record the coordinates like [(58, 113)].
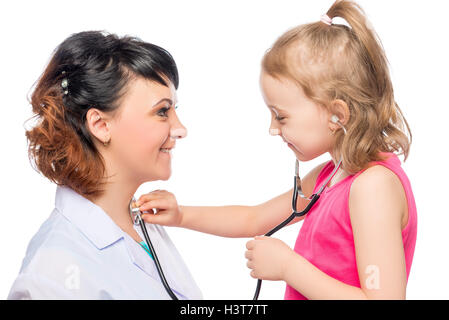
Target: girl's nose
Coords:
[(178, 133), (275, 132)]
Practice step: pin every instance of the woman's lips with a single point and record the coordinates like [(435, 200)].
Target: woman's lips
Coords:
[(168, 148), (166, 152)]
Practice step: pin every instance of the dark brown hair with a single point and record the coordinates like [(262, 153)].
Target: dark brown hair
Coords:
[(96, 67)]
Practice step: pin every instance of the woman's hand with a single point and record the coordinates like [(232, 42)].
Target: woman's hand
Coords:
[(268, 258), (167, 211)]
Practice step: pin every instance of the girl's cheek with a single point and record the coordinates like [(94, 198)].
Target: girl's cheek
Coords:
[(301, 140), (290, 136)]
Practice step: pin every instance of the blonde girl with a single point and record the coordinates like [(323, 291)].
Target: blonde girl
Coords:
[(328, 89)]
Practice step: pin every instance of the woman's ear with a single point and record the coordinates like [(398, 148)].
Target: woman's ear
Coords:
[(97, 123)]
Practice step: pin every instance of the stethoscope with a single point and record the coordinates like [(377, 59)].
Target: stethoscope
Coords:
[(137, 220), (297, 190)]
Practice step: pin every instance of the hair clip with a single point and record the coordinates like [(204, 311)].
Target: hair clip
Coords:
[(65, 84)]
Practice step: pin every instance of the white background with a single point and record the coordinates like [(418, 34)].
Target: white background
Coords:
[(228, 156)]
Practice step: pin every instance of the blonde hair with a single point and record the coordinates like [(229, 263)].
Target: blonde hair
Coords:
[(335, 61)]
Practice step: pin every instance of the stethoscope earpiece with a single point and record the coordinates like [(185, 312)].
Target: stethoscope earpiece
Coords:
[(336, 120)]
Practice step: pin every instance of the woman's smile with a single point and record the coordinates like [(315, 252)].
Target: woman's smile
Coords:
[(166, 151)]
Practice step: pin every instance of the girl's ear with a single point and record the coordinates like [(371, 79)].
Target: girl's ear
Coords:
[(340, 109)]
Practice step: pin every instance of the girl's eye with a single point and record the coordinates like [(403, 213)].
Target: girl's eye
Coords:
[(163, 112), (278, 118)]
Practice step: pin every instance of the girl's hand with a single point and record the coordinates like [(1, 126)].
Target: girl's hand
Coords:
[(268, 258), (167, 210)]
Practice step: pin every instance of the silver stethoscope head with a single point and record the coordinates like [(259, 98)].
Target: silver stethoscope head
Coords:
[(134, 212), (137, 220)]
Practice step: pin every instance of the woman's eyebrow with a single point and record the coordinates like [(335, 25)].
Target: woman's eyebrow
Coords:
[(162, 100)]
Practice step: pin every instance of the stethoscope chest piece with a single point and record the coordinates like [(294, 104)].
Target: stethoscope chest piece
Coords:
[(134, 212), (137, 220)]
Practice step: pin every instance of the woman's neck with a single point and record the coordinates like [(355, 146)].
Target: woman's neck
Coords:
[(115, 202)]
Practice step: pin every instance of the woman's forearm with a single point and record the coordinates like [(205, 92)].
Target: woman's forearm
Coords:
[(224, 221)]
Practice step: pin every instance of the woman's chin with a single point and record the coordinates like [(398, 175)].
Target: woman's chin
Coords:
[(161, 174), (164, 174), (165, 178)]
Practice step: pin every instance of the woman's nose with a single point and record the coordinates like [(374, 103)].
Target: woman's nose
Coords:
[(178, 133)]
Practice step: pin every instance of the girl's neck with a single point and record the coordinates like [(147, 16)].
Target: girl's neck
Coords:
[(340, 174)]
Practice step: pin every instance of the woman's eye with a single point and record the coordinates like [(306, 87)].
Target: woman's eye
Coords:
[(163, 112)]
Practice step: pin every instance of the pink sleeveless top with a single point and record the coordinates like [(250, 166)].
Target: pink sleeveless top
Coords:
[(326, 238)]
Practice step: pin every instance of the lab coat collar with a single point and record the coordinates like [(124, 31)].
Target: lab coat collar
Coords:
[(102, 231), (89, 218)]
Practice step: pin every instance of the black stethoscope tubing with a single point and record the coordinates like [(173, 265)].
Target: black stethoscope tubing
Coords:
[(295, 214), (296, 190), (136, 217), (156, 261)]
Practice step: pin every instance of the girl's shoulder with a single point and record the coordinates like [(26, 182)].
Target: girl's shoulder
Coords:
[(379, 186)]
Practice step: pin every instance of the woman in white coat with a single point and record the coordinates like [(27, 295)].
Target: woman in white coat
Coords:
[(107, 123)]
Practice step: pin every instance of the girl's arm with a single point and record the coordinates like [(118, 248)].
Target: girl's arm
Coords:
[(237, 221), (377, 203), (248, 221)]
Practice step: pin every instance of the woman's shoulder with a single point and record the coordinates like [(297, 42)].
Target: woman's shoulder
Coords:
[(53, 239), (51, 264)]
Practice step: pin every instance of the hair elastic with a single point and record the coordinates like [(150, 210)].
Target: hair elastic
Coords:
[(325, 19)]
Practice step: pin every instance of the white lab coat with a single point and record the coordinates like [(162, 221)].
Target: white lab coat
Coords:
[(80, 253)]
